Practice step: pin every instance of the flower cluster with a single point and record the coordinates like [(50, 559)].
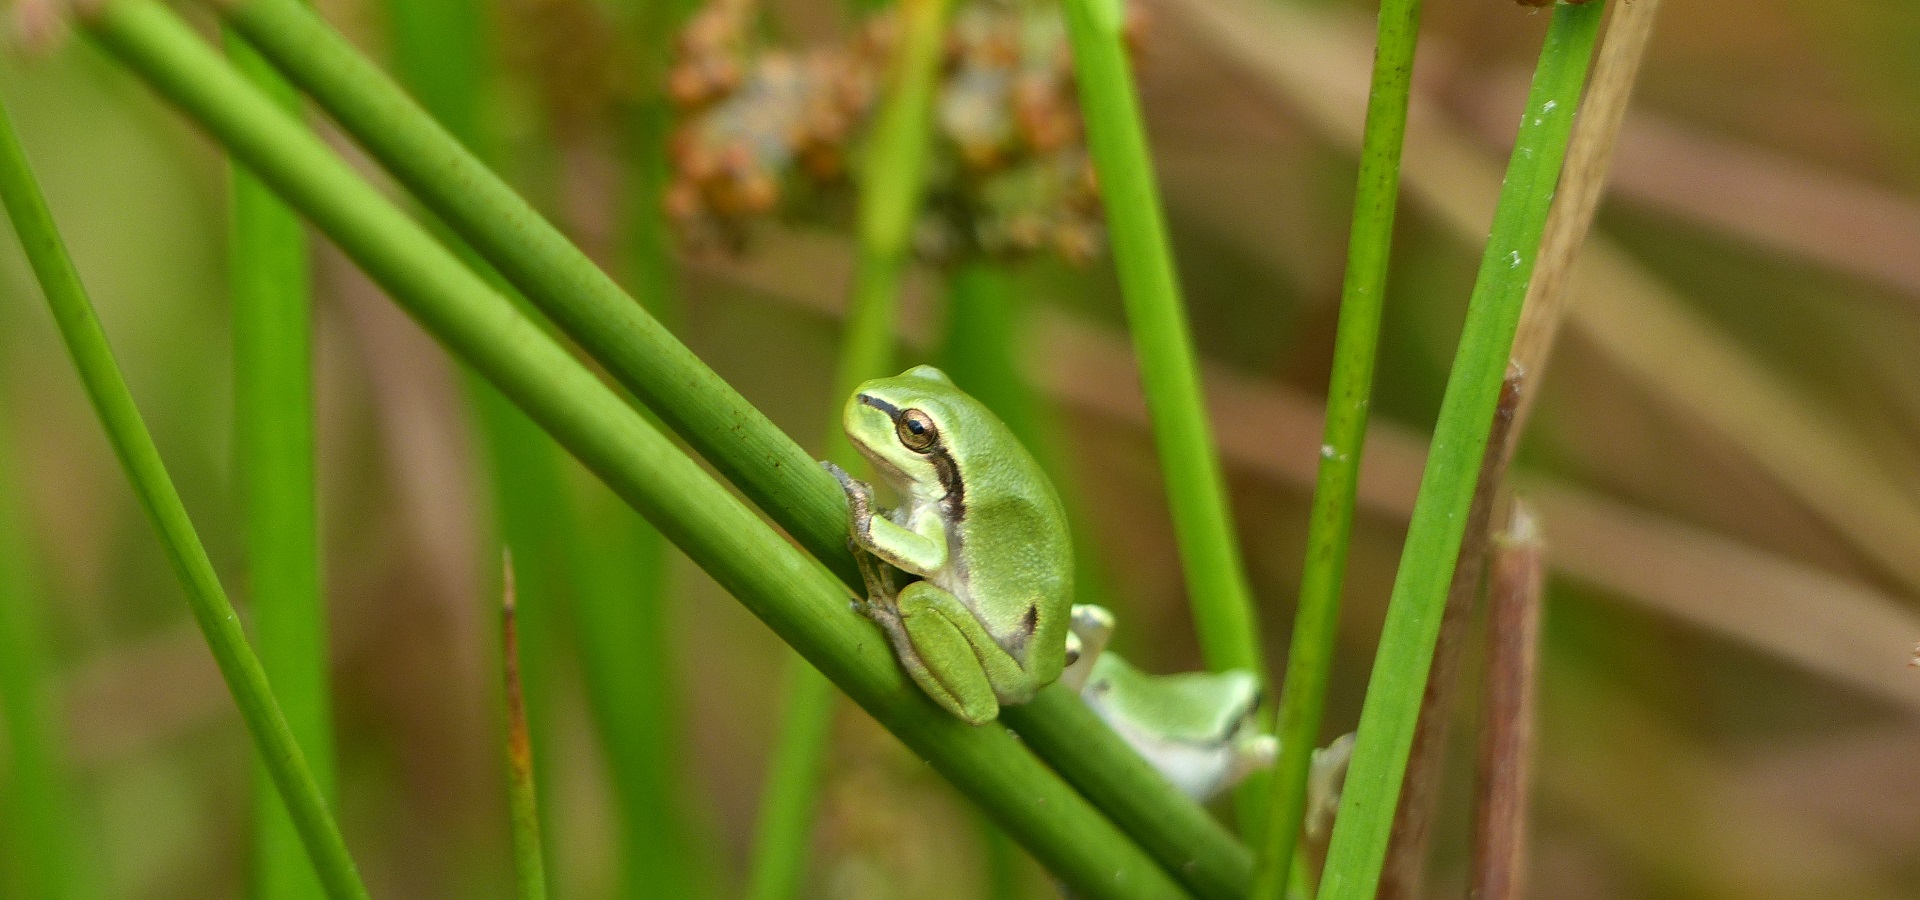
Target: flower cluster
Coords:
[(760, 129)]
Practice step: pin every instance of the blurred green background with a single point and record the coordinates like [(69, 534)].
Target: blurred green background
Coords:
[(1725, 710)]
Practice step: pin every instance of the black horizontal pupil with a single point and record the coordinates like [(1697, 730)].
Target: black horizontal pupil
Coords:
[(916, 426)]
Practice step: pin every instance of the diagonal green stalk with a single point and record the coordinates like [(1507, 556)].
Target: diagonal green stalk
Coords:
[(790, 591), (133, 444), (553, 273), (1358, 846), (1316, 621), (767, 465), (1169, 373), (37, 797), (273, 427), (891, 177)]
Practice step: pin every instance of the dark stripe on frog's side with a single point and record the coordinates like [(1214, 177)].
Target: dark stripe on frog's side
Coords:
[(944, 467)]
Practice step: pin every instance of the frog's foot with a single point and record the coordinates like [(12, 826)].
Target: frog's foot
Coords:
[(854, 488), (1088, 630), (1326, 778)]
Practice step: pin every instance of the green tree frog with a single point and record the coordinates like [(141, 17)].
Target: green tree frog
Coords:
[(978, 525), (1197, 728)]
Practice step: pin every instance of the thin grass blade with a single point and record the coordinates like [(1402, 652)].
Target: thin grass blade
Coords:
[(112, 401), (1316, 623)]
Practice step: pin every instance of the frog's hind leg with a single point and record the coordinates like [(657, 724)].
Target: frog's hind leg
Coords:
[(947, 632), (961, 689)]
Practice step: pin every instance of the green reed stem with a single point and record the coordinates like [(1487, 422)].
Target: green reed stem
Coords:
[(523, 801), (38, 810), (273, 428), (767, 465), (787, 589), (1169, 372), (1316, 621), (1217, 589), (891, 178), (87, 342), (1392, 707)]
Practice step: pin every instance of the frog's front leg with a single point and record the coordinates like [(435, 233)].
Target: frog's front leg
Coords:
[(920, 549), (950, 654), (1089, 628)]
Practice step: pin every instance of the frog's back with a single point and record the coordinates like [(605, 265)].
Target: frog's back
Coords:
[(1014, 538)]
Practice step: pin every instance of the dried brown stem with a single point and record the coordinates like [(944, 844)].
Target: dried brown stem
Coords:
[(1516, 582), (1583, 180), (529, 864), (1404, 874)]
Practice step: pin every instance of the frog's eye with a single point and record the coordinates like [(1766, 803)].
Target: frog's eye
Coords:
[(916, 431)]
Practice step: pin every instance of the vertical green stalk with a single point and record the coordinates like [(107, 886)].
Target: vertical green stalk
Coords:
[(1002, 862), (440, 51), (981, 340), (1387, 720), (792, 789), (133, 444), (273, 428), (891, 178), (523, 799), (622, 603), (1196, 492), (37, 799), (626, 659), (1316, 622)]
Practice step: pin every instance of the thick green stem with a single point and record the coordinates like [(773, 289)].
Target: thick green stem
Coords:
[(273, 427), (1392, 707), (107, 389), (791, 592), (624, 603), (1169, 372), (1316, 622)]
